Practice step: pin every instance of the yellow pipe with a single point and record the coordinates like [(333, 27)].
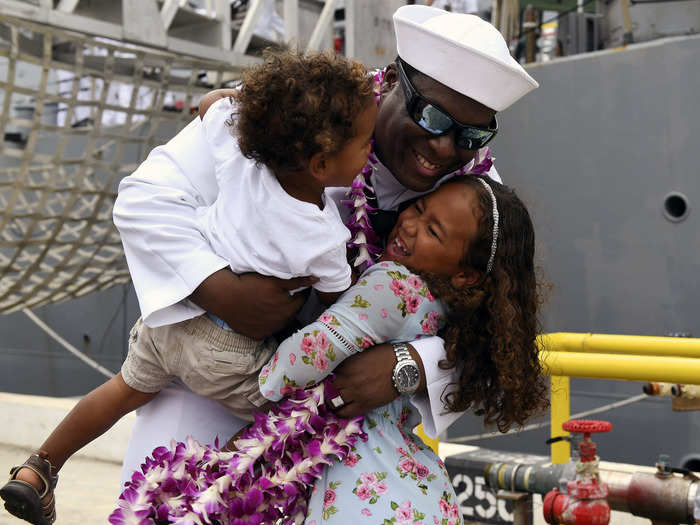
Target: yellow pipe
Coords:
[(432, 443), (627, 367), (621, 344), (604, 356), (607, 356), (559, 413)]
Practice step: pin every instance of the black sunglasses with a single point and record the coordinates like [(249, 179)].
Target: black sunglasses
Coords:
[(436, 121)]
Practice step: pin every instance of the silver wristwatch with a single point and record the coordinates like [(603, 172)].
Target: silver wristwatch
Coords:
[(406, 372)]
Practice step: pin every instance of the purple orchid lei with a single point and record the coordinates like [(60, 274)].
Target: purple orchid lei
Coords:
[(267, 480), (363, 238)]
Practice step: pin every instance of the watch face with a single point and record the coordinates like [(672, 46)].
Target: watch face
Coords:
[(407, 376)]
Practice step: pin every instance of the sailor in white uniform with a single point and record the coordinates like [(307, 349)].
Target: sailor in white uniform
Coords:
[(461, 74)]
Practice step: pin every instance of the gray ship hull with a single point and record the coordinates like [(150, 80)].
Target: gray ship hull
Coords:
[(595, 152)]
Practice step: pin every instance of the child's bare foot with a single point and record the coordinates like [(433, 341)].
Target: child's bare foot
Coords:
[(30, 492)]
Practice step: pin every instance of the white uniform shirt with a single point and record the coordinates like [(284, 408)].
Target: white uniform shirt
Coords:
[(169, 256), (258, 227)]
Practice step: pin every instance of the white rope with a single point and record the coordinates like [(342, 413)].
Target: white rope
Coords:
[(65, 344), (535, 426)]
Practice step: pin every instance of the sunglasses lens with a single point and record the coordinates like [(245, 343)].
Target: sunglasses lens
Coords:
[(431, 119), (473, 139)]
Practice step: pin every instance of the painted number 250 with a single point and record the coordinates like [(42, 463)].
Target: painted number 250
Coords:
[(475, 498)]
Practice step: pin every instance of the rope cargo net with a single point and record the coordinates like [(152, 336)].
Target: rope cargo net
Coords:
[(78, 114)]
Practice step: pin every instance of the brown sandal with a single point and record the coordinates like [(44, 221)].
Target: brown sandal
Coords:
[(23, 500)]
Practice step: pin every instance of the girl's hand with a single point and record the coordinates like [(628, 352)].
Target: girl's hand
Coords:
[(209, 98), (251, 304), (364, 380), (230, 446)]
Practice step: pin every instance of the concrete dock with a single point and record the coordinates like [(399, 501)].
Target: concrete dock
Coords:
[(88, 483), (85, 495)]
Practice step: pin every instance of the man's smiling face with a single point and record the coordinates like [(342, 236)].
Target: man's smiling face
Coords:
[(415, 157)]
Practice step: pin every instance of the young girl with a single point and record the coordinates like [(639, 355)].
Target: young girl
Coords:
[(459, 262), (308, 119)]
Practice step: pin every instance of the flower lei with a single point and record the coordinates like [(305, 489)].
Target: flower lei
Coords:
[(267, 479), (363, 238)]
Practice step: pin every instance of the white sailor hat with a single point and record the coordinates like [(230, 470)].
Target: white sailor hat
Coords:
[(462, 52)]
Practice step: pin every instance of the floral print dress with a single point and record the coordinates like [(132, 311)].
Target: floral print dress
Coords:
[(392, 478)]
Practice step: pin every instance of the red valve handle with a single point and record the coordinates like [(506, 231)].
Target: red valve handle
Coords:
[(587, 426)]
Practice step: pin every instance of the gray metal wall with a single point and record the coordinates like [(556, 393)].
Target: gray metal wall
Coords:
[(594, 151), (98, 324)]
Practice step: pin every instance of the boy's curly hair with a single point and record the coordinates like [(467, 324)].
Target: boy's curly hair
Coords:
[(492, 327), (297, 104)]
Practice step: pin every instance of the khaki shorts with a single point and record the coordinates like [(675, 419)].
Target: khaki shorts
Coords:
[(212, 361)]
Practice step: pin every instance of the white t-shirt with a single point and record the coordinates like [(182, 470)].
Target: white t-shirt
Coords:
[(258, 227)]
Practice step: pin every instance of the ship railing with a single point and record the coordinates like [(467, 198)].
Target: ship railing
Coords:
[(607, 356)]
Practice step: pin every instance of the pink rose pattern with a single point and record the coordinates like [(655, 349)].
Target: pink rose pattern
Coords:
[(327, 318), (329, 498), (409, 437), (432, 322), (364, 342), (449, 511), (317, 350), (392, 478), (370, 486), (412, 291), (352, 458), (409, 467), (405, 514), (268, 369)]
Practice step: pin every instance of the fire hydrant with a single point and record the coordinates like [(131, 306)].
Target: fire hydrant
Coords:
[(585, 503)]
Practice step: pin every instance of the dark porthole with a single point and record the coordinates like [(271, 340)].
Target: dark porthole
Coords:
[(676, 207)]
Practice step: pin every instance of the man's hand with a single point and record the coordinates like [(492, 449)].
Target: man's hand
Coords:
[(253, 305), (365, 380)]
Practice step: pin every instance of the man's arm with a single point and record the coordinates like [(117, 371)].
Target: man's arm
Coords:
[(365, 381)]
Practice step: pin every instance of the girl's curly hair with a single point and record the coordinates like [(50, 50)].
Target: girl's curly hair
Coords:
[(491, 328), (297, 104)]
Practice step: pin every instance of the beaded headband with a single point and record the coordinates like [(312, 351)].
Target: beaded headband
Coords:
[(494, 243)]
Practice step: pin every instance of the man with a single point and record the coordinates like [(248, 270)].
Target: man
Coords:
[(436, 111)]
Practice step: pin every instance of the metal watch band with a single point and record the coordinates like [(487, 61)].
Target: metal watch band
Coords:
[(402, 353), (403, 360)]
